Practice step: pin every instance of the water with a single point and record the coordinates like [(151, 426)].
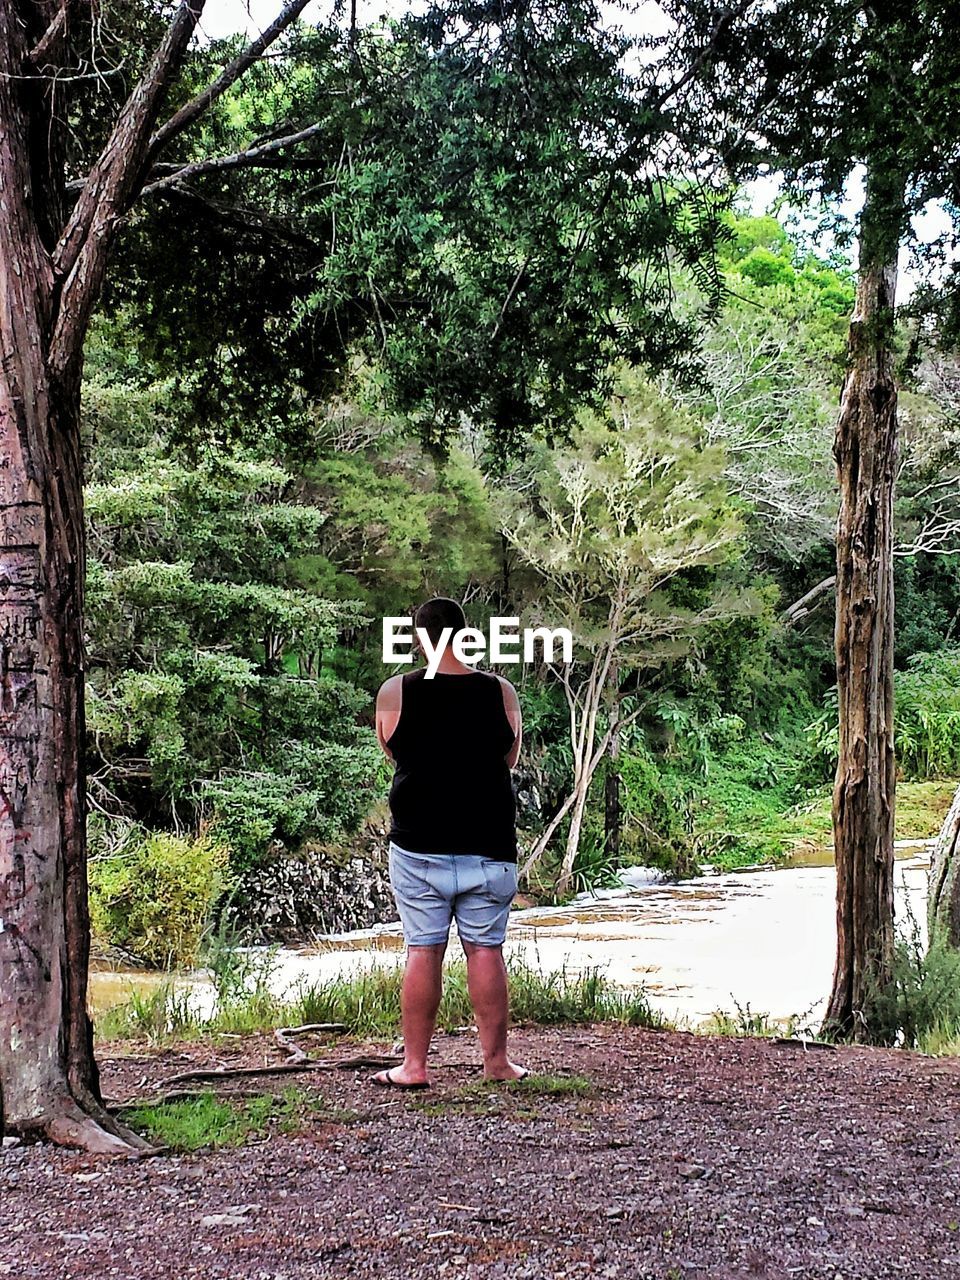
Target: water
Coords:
[(762, 939)]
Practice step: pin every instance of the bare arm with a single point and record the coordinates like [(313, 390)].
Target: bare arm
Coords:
[(389, 702), (511, 705)]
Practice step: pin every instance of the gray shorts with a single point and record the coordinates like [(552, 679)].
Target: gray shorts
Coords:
[(431, 889)]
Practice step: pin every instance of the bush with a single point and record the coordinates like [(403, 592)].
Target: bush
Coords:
[(926, 721), (920, 1009), (154, 892), (927, 716)]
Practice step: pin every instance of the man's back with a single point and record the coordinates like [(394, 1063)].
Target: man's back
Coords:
[(451, 791)]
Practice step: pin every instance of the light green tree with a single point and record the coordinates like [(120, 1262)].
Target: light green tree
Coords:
[(619, 528)]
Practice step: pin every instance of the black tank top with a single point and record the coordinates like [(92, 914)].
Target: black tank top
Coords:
[(451, 790)]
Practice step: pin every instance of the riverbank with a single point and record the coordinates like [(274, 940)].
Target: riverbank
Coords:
[(761, 941), (679, 1156)]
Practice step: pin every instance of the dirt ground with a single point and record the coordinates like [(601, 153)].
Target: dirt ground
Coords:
[(692, 1157)]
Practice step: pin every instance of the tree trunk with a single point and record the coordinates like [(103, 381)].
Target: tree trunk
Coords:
[(573, 835), (51, 270), (612, 819), (943, 902), (863, 798), (46, 1042)]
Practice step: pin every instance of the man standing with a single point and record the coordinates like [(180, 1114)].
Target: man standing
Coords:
[(453, 847)]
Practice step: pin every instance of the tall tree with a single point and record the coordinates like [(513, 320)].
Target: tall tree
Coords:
[(54, 261), (825, 91), (611, 527)]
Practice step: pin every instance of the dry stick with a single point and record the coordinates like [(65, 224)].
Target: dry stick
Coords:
[(283, 1035), (284, 1068)]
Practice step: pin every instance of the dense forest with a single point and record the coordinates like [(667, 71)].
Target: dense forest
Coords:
[(237, 582)]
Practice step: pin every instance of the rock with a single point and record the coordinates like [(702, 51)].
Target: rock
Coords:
[(10, 1141), (293, 895), (233, 1216), (692, 1170)]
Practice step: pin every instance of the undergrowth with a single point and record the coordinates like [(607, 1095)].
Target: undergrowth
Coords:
[(367, 1003)]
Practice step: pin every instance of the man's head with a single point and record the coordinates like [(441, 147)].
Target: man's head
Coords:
[(437, 614)]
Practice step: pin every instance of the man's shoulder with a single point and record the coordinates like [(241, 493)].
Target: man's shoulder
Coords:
[(390, 688), (509, 692)]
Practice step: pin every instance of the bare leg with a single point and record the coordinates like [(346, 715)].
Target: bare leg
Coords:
[(419, 1002), (487, 983)]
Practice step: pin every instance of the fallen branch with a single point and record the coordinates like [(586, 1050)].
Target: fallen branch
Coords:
[(803, 1042), (283, 1035), (285, 1068)]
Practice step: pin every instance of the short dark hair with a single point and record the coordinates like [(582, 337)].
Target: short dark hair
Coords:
[(437, 614)]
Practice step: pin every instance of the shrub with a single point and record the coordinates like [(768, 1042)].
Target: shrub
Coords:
[(153, 893), (921, 1007), (926, 721)]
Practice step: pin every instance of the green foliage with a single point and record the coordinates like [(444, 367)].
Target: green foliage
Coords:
[(746, 1023), (207, 1122), (926, 720), (206, 698), (367, 1002), (488, 241), (927, 715), (159, 1014), (921, 1006), (154, 892)]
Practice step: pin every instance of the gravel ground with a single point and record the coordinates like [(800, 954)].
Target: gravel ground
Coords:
[(691, 1157)]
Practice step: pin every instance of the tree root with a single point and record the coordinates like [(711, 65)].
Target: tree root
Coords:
[(98, 1134), (803, 1042), (372, 1061), (284, 1036)]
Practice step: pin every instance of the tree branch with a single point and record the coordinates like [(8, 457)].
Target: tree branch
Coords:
[(252, 156), (80, 256), (54, 31), (227, 77), (800, 608)]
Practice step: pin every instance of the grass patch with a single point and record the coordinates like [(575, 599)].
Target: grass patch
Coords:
[(368, 1004), (542, 1086), (211, 1122), (162, 1013), (740, 824), (486, 1097), (744, 1022), (920, 810)]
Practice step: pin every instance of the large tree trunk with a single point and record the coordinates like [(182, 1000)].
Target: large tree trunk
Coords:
[(863, 799), (49, 1079), (943, 902), (51, 270)]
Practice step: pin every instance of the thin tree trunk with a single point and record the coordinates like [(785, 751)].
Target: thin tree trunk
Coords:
[(943, 902), (573, 835), (611, 798), (863, 799)]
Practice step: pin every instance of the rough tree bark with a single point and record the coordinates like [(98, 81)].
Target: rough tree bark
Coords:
[(943, 901), (51, 271), (865, 449)]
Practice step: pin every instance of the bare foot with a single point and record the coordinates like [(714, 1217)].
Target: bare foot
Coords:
[(402, 1077), (508, 1071)]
